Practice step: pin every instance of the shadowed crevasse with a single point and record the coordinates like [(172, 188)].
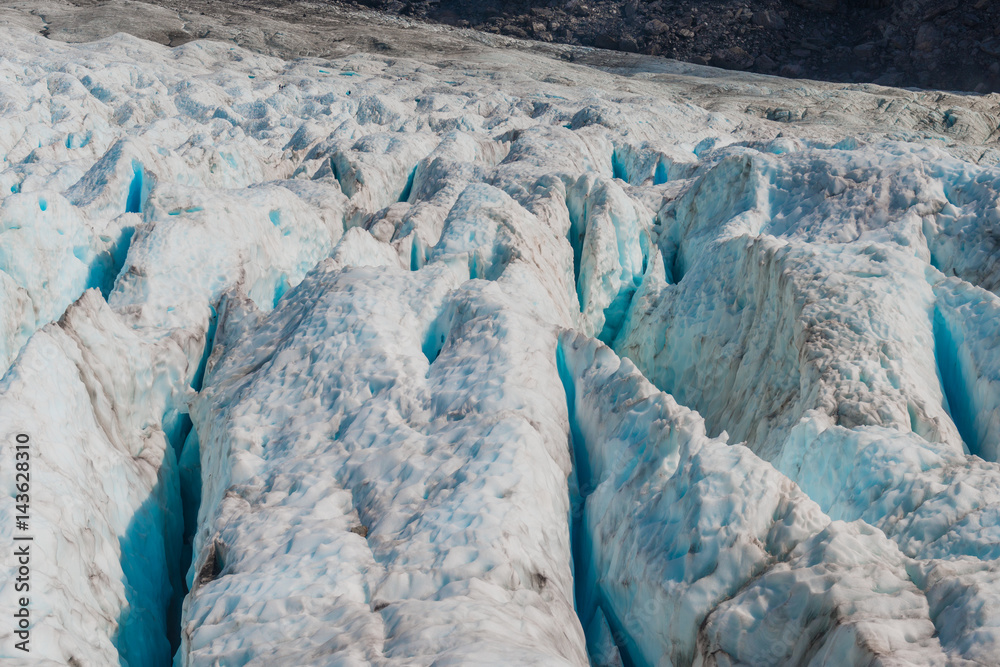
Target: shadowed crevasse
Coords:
[(587, 594)]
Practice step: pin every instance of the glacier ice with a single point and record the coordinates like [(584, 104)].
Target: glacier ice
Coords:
[(105, 484), (381, 496), (738, 565), (499, 360)]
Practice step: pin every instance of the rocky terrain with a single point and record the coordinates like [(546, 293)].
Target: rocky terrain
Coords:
[(945, 44), (932, 44)]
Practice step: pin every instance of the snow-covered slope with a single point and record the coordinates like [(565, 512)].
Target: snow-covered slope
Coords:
[(502, 360)]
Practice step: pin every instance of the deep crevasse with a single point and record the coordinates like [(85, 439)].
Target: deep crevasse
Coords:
[(373, 285)]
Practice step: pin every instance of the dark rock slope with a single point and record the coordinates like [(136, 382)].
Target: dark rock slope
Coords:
[(945, 44)]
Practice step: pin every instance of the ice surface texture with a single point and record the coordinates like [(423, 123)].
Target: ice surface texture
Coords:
[(504, 361)]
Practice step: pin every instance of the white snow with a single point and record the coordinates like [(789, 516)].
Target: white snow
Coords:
[(493, 360)]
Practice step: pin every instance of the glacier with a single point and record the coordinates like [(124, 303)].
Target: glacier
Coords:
[(496, 356)]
